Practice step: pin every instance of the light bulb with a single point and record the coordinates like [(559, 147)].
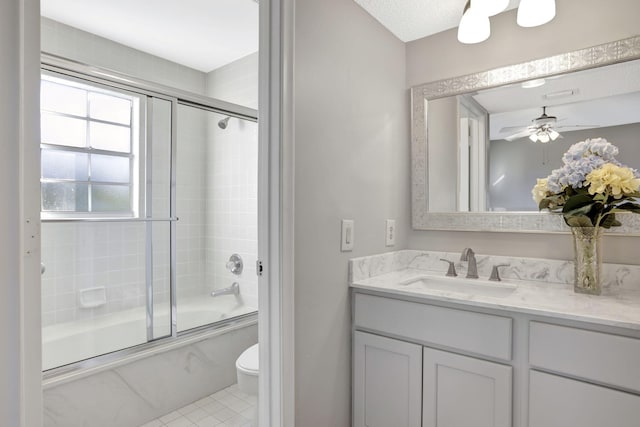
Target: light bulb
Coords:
[(543, 137), (553, 134), (532, 13), (489, 7), (474, 27), (533, 137)]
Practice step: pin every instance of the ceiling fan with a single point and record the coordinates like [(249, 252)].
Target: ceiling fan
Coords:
[(543, 129)]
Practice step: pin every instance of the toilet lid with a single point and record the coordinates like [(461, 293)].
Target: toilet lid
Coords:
[(248, 362)]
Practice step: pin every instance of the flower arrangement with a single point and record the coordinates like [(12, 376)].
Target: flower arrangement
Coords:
[(591, 186)]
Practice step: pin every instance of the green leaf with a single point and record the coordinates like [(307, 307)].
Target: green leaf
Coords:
[(551, 202), (629, 207), (599, 197), (610, 221), (577, 202), (578, 221)]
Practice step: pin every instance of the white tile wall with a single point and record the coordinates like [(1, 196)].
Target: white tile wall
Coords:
[(233, 179), (78, 256), (233, 205)]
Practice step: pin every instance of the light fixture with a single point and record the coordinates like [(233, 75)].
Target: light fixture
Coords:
[(474, 27), (532, 13), (489, 7), (544, 135)]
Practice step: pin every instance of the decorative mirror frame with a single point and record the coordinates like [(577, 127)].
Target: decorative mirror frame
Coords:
[(528, 222)]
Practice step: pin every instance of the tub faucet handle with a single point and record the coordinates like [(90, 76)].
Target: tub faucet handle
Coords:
[(495, 275), (234, 265), (451, 272)]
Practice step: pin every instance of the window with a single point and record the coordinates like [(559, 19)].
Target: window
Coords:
[(89, 148)]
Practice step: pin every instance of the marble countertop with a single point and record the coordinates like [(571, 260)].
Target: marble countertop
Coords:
[(619, 307)]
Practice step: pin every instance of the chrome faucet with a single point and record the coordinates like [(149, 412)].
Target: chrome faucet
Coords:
[(472, 267), (234, 289)]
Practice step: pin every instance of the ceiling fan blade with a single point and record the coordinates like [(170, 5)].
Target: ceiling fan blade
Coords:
[(576, 126), (518, 135), (512, 128)]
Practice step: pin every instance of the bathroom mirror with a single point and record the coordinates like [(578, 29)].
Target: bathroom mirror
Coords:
[(474, 158)]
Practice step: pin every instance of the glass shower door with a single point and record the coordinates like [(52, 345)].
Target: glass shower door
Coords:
[(106, 156), (216, 203)]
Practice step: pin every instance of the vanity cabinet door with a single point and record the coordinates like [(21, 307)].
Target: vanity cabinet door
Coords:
[(460, 391), (387, 382), (560, 402)]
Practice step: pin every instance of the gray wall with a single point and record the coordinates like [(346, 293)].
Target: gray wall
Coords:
[(578, 24), (522, 161), (351, 161), (236, 82), (10, 363), (75, 44), (443, 178)]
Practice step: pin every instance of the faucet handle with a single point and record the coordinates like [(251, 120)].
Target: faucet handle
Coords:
[(451, 272), (495, 276)]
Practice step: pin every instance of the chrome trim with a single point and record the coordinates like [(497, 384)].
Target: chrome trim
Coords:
[(526, 222), (58, 64), (148, 201), (172, 219), (173, 240)]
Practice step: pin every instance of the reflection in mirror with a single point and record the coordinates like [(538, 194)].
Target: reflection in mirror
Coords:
[(480, 141), (486, 148)]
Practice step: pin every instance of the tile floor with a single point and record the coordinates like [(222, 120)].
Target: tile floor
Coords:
[(227, 408)]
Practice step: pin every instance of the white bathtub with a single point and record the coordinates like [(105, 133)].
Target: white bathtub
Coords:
[(70, 342)]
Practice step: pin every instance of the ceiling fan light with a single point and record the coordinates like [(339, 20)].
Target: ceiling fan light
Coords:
[(553, 135), (532, 13), (474, 27), (533, 137), (489, 7), (543, 137)]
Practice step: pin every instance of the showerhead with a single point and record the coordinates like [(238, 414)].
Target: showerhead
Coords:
[(223, 123)]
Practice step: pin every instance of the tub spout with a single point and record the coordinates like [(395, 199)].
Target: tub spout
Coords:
[(234, 289)]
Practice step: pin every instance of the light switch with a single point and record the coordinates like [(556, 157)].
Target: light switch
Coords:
[(391, 232), (347, 235)]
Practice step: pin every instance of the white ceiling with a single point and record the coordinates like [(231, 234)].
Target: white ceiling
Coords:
[(201, 34), (414, 19)]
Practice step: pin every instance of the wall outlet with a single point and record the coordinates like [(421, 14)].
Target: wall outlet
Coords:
[(391, 232), (347, 236)]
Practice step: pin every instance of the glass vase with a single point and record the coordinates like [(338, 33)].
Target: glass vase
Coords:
[(587, 247)]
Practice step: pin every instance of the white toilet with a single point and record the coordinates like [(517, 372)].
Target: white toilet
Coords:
[(247, 368)]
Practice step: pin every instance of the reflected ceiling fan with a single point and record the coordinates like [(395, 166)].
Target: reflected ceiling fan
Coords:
[(542, 129)]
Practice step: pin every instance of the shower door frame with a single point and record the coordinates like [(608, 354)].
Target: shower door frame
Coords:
[(117, 80)]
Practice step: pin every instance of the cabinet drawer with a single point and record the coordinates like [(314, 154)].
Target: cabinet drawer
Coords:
[(478, 333), (608, 359), (560, 402)]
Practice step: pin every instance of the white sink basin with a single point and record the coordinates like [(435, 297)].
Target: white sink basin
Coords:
[(460, 285)]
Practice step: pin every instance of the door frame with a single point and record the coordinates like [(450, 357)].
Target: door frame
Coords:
[(276, 214)]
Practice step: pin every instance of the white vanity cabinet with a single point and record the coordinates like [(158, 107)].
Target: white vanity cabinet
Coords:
[(612, 362), (398, 381), (460, 391), (419, 362), (387, 382)]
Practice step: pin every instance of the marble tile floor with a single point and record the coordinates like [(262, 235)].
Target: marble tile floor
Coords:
[(227, 408)]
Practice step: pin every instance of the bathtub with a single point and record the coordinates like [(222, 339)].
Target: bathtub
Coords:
[(66, 343), (130, 388)]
